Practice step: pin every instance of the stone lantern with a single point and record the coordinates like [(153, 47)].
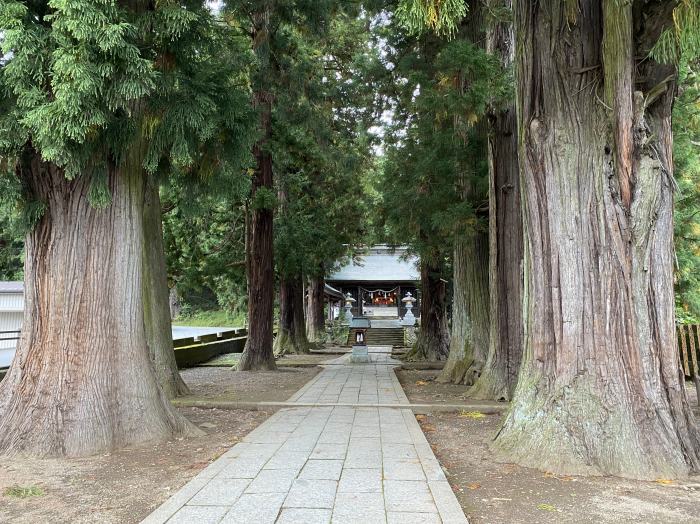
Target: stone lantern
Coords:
[(408, 319), (360, 353), (349, 301)]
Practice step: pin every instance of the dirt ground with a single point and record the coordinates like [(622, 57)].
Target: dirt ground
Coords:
[(260, 386), (308, 360), (421, 388), (497, 493), (124, 487)]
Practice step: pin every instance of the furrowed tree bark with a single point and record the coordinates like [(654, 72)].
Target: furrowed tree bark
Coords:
[(469, 338), (600, 388), (258, 352), (315, 316), (291, 337), (83, 381), (500, 373), (433, 341), (156, 295)]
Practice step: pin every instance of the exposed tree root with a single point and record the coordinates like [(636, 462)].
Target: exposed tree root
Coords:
[(579, 430)]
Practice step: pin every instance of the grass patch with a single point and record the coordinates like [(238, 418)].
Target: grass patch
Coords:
[(224, 361), (24, 492), (217, 318)]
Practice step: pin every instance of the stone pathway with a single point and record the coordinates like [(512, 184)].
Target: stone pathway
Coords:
[(327, 463)]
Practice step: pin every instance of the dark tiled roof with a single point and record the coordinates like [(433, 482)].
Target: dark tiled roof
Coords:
[(379, 265)]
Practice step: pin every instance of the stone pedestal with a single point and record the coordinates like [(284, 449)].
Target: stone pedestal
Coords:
[(360, 355), (409, 336), (408, 319)]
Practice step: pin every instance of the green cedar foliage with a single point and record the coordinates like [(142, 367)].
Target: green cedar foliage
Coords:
[(440, 16), (162, 85), (204, 237), (11, 238), (435, 154), (686, 128), (321, 147)]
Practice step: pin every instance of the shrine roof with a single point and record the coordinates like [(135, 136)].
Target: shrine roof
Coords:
[(379, 264)]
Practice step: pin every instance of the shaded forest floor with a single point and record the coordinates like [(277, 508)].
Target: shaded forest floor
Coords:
[(221, 383), (124, 487), (497, 493)]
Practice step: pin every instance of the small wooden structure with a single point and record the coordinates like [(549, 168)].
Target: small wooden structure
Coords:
[(360, 352), (689, 342)]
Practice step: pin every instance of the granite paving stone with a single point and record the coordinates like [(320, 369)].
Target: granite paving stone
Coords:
[(199, 514), (409, 496), (242, 468), (322, 470), (272, 481), (403, 469), (359, 508), (219, 492), (394, 517), (288, 460), (360, 480), (306, 493), (304, 516), (328, 451), (255, 508)]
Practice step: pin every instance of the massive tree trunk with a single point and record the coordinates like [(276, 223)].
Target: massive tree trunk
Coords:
[(469, 339), (433, 342), (157, 297), (258, 353), (600, 388), (315, 316), (291, 336), (83, 381), (500, 373)]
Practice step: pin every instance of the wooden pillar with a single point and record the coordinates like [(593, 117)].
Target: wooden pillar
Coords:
[(399, 304)]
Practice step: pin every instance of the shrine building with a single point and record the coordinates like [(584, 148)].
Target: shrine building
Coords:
[(378, 280)]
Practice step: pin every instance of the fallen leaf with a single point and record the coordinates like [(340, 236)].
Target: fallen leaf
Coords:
[(428, 428), (474, 485), (546, 507), (420, 417), (421, 383), (663, 481), (472, 414)]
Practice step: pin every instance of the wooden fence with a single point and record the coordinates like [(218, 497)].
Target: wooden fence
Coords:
[(194, 350), (689, 342)]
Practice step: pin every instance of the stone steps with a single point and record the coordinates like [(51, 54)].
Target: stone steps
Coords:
[(380, 337)]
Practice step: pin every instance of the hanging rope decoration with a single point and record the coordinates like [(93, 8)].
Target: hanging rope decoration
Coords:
[(385, 291), (380, 297)]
